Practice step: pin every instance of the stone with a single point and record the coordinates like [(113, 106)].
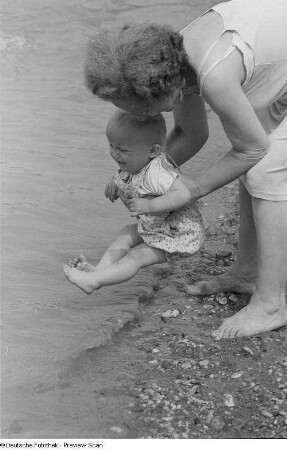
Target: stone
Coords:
[(223, 254), (236, 375), (221, 298), (204, 363), (217, 423), (232, 298), (186, 366), (228, 400), (170, 313), (116, 430)]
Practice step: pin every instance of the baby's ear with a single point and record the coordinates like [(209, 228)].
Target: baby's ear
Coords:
[(154, 151)]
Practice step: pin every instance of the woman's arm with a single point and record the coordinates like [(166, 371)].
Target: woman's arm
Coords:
[(177, 196), (249, 139), (190, 130)]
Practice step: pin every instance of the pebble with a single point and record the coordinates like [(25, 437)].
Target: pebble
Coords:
[(204, 362), (248, 350), (166, 365), (170, 313), (232, 298), (223, 254), (217, 423), (116, 430), (186, 366), (236, 375), (267, 414), (183, 341), (228, 400), (221, 298)]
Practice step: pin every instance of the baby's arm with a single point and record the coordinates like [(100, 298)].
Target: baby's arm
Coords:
[(113, 192), (177, 196)]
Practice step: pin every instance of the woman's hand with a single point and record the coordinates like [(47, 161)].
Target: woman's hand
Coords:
[(138, 206), (112, 191)]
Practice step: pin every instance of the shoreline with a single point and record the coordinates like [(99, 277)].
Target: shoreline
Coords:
[(181, 383), (170, 379)]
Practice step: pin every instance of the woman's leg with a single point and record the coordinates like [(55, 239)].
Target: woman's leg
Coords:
[(241, 277), (267, 308), (127, 238), (122, 270)]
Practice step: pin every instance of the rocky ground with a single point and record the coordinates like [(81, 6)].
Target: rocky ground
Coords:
[(189, 385), (171, 379)]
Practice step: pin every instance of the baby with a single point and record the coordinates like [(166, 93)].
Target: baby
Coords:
[(151, 188)]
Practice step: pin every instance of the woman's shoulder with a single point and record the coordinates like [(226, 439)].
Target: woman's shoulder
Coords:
[(195, 39)]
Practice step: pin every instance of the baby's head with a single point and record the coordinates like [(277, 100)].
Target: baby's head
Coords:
[(134, 142)]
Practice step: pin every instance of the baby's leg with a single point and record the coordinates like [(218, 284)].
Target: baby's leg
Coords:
[(122, 270), (126, 239)]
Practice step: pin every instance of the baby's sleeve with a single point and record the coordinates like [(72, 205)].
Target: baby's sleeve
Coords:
[(158, 178)]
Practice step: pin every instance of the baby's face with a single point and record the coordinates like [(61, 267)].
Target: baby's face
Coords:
[(129, 148)]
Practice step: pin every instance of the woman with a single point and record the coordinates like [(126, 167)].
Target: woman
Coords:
[(234, 57)]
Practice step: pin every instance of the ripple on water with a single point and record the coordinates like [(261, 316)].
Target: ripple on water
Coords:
[(11, 42)]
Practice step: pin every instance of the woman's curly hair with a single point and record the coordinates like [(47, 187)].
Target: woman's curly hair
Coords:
[(148, 61)]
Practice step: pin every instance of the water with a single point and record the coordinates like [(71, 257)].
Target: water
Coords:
[(55, 164)]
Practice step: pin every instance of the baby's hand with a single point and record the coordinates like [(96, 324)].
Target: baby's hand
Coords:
[(124, 198), (139, 206), (111, 191)]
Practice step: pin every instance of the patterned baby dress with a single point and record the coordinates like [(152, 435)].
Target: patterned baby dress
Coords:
[(179, 231)]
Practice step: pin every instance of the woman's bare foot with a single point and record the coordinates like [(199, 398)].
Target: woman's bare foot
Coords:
[(227, 282), (81, 263), (253, 319), (84, 280)]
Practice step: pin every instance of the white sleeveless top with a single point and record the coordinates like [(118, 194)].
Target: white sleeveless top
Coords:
[(262, 25), (260, 32)]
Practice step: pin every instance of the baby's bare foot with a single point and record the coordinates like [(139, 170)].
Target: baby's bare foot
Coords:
[(251, 320), (226, 282), (81, 263), (82, 279), (73, 262)]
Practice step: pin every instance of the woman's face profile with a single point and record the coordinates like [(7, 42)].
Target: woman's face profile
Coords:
[(143, 109)]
